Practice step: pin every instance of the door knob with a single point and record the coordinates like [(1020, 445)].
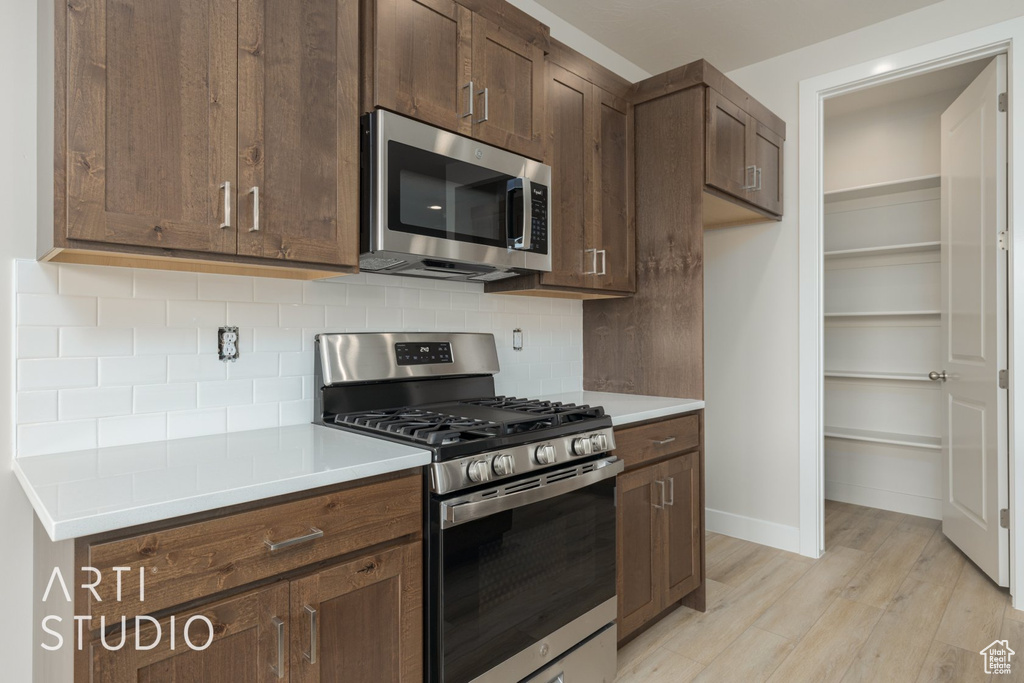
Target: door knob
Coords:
[(937, 376)]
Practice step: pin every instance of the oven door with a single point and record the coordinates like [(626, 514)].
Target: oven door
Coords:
[(524, 572), (442, 196)]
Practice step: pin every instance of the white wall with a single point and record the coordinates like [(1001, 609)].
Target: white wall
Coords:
[(17, 239), (751, 278)]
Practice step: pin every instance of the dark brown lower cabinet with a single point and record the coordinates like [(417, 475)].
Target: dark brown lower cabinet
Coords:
[(244, 646), (361, 621), (660, 537)]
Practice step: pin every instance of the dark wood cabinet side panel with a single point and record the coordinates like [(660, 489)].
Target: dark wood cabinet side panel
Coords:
[(653, 343)]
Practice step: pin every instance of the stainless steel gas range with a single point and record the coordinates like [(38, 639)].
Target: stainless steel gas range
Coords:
[(520, 518)]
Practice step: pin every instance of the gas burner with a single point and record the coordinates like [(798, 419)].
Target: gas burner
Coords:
[(564, 413), (432, 428)]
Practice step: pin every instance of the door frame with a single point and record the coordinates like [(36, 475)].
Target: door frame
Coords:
[(986, 42)]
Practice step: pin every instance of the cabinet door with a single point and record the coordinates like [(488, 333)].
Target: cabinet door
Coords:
[(151, 114), (615, 236), (422, 60), (508, 78), (361, 621), (729, 165), (767, 192), (638, 572), (682, 526), (570, 155), (298, 132), (250, 632)]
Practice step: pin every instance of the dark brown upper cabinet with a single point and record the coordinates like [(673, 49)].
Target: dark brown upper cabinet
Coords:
[(215, 136), (475, 68), (589, 126)]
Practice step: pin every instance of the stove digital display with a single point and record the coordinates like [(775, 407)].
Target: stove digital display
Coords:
[(423, 353)]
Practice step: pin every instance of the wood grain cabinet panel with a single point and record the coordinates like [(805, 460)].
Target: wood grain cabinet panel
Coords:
[(639, 572), (657, 440), (298, 130), (245, 645), (151, 121), (615, 234), (767, 192), (682, 527), (361, 621), (422, 60), (729, 165)]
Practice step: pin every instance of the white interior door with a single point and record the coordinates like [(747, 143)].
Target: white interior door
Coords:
[(974, 441)]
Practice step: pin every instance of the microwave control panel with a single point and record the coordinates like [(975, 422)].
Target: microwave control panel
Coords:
[(539, 229), (423, 353)]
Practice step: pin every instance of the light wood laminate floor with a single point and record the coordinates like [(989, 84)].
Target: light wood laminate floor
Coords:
[(890, 600)]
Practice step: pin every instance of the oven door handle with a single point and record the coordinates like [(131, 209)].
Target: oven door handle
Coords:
[(454, 513)]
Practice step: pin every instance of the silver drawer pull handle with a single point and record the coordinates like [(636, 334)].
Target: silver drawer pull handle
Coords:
[(226, 186), (255, 192), (279, 625), (593, 267), (313, 534), (469, 97), (757, 174), (487, 105), (660, 483), (604, 262), (662, 442), (671, 491), (311, 655)]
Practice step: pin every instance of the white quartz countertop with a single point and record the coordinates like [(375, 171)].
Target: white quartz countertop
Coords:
[(628, 408), (89, 492)]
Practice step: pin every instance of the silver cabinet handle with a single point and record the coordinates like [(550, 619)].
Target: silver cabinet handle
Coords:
[(593, 269), (311, 655), (604, 262), (662, 442), (757, 176), (751, 172), (226, 186), (279, 625), (469, 97), (313, 534), (937, 376), (671, 491), (255, 192), (487, 105), (660, 483)]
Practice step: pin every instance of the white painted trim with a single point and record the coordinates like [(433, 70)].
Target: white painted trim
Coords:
[(907, 503), (752, 529), (983, 42)]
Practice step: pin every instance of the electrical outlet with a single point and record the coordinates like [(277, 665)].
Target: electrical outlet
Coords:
[(517, 339), (227, 344)]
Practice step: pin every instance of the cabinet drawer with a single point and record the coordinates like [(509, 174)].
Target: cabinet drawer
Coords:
[(201, 559), (636, 445)]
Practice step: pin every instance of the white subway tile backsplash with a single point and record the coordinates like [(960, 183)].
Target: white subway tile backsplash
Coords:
[(78, 342), (214, 287), (132, 370), (165, 285), (53, 309), (56, 373), (196, 313), (130, 429), (115, 356), (95, 281), (219, 394), (82, 404), (38, 342), (164, 398), (132, 313)]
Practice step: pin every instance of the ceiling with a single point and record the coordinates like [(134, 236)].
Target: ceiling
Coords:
[(658, 35), (952, 80)]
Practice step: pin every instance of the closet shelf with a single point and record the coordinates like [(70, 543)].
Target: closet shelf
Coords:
[(878, 314), (891, 438), (882, 251), (877, 189), (893, 376)]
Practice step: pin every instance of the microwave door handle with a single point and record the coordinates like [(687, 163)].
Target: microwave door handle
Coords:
[(523, 240)]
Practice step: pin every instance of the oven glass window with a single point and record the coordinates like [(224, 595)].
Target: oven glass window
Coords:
[(434, 195), (513, 578)]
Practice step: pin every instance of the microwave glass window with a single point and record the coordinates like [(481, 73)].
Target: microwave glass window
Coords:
[(434, 195)]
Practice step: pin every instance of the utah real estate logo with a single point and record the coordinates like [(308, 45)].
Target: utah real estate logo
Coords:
[(997, 657)]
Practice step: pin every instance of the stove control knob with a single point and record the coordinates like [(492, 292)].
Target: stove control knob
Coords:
[(582, 446), (504, 465), (600, 442), (545, 454), (478, 471)]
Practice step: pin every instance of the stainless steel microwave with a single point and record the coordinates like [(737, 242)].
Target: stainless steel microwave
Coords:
[(440, 205)]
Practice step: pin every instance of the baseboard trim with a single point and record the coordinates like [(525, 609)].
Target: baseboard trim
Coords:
[(754, 530), (894, 501)]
